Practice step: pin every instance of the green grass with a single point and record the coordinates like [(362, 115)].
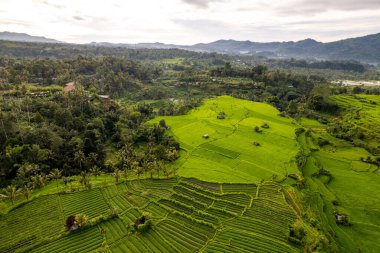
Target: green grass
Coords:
[(83, 241), (229, 154), (90, 202), (31, 222), (355, 185)]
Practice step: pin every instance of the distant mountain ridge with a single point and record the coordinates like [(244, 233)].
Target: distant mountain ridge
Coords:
[(23, 37), (364, 49)]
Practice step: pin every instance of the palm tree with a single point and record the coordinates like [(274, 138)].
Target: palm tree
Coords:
[(95, 171), (125, 174), (55, 174), (174, 171), (139, 170), (80, 158), (117, 174), (85, 179), (158, 166), (92, 158), (26, 191), (38, 181), (27, 169), (10, 192)]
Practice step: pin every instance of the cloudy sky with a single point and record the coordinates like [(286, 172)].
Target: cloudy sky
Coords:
[(190, 21)]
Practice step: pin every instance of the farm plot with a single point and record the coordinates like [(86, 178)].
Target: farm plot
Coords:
[(227, 153), (202, 228), (87, 240), (146, 242), (271, 212), (114, 229), (183, 239), (253, 242), (236, 188), (156, 210), (197, 216), (271, 191), (91, 203), (130, 215), (29, 223), (238, 198), (119, 203), (213, 187)]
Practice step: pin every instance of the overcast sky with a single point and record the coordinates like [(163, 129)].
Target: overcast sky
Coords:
[(190, 21)]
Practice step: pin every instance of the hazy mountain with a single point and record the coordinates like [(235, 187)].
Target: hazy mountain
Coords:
[(365, 49), (11, 36)]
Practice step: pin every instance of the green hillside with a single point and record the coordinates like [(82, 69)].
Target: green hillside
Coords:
[(352, 188), (229, 154), (237, 188)]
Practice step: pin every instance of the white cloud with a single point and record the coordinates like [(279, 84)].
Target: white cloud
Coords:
[(190, 21)]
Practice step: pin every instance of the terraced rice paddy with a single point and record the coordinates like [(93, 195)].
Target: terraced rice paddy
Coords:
[(353, 187), (228, 154), (188, 215)]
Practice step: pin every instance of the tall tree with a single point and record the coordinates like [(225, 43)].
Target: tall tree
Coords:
[(26, 191), (55, 174), (95, 171), (10, 192), (85, 179), (38, 181), (117, 174), (80, 158)]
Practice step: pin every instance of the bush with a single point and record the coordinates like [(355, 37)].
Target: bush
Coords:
[(81, 220), (257, 129), (221, 115), (299, 131), (144, 227), (322, 142), (265, 125)]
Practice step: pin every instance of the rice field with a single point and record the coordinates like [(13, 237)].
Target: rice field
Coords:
[(227, 154), (354, 185), (196, 216)]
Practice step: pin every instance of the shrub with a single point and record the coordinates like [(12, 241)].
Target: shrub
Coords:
[(145, 226), (299, 131), (322, 142), (257, 129), (265, 125), (81, 220), (221, 115)]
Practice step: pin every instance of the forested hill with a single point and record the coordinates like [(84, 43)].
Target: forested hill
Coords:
[(365, 49), (11, 36)]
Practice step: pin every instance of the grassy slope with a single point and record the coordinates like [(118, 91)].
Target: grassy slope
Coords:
[(229, 155), (355, 185), (366, 109)]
